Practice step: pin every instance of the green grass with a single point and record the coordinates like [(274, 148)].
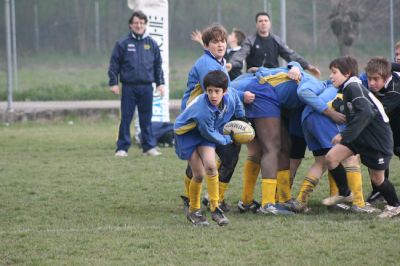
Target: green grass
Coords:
[(65, 200)]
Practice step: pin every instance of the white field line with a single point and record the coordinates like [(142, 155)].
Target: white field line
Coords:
[(111, 228)]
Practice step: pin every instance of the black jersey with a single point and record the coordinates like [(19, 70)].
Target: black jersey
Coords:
[(390, 95), (236, 71), (265, 51), (367, 126)]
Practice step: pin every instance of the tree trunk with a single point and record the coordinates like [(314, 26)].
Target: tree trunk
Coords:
[(81, 26)]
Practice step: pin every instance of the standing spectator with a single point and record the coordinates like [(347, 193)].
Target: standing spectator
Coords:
[(264, 48), (136, 63)]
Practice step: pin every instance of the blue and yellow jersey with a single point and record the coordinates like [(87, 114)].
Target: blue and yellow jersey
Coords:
[(208, 119), (319, 102), (195, 86)]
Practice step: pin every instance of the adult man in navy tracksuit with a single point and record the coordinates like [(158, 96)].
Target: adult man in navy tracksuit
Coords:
[(136, 62)]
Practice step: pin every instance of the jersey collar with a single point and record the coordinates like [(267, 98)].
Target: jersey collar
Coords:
[(222, 62)]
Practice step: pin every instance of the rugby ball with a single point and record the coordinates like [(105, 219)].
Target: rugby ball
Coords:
[(337, 104), (242, 132)]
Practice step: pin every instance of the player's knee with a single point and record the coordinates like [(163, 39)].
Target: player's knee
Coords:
[(331, 161)]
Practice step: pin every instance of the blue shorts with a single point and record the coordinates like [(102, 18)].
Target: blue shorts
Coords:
[(265, 104), (187, 143), (295, 128), (319, 131)]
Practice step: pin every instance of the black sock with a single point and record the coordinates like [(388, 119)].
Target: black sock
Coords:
[(388, 191), (339, 175), (374, 187), (387, 174)]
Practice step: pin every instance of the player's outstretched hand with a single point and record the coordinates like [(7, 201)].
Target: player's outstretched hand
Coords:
[(197, 37), (314, 71)]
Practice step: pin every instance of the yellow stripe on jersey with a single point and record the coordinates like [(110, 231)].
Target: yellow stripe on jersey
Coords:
[(184, 129), (195, 92), (276, 79)]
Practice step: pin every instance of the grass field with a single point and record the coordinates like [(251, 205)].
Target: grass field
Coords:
[(65, 200)]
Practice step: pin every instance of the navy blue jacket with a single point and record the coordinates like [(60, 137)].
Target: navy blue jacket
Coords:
[(136, 61)]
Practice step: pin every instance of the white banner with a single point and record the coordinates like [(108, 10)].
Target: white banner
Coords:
[(157, 28)]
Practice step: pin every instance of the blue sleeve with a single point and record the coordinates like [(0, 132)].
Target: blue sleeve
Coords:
[(308, 93), (206, 129), (295, 64), (158, 72), (114, 68), (239, 109), (240, 95)]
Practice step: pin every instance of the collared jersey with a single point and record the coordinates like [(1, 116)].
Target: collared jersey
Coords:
[(200, 69), (209, 120), (366, 121)]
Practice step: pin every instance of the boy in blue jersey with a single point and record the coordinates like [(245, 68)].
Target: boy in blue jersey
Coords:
[(367, 133), (198, 130), (214, 39)]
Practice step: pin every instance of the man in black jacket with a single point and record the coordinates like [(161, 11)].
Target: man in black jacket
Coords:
[(264, 48)]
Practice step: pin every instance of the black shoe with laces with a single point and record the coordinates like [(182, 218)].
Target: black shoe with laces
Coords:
[(219, 217), (375, 197), (254, 206), (197, 218), (224, 206)]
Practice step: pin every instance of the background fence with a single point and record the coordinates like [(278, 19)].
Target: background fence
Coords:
[(64, 46)]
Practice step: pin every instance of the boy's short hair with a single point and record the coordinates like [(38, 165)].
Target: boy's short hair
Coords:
[(216, 78), (139, 14), (240, 36), (263, 13), (379, 65), (214, 32), (346, 65), (397, 45)]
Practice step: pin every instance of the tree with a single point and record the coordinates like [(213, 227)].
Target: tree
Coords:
[(344, 21)]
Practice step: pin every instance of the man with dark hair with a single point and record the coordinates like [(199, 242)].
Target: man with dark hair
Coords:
[(264, 48), (136, 63)]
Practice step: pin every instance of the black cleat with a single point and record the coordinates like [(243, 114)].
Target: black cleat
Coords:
[(219, 217), (254, 207), (197, 218)]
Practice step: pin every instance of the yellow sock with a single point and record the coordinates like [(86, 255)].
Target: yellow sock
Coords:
[(218, 163), (283, 185), (309, 183), (333, 189), (354, 180), (268, 190), (250, 174), (187, 184), (222, 188), (212, 188), (194, 195)]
